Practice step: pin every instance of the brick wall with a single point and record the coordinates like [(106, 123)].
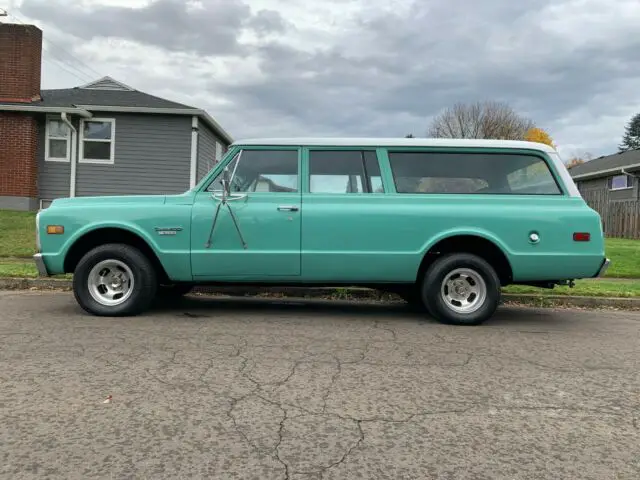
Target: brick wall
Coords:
[(20, 62), (18, 160)]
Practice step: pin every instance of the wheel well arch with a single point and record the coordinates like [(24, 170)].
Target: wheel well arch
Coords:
[(104, 235), (475, 245)]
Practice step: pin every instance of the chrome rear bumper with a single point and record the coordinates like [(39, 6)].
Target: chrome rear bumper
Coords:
[(603, 268), (42, 268)]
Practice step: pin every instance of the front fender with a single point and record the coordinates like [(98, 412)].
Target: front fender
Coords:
[(121, 225)]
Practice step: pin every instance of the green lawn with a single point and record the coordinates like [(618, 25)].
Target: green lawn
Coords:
[(585, 288), (17, 234), (21, 268), (625, 257), (17, 239)]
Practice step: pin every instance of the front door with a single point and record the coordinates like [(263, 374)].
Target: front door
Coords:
[(256, 236)]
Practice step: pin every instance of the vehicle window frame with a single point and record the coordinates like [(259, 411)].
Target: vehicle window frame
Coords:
[(366, 185), (562, 190), (231, 156)]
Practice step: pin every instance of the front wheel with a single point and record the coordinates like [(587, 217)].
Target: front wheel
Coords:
[(114, 280), (461, 289)]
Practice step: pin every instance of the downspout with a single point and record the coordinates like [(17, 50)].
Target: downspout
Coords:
[(194, 152), (74, 134)]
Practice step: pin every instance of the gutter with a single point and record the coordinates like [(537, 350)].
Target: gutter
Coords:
[(36, 109), (74, 135), (600, 173), (215, 126)]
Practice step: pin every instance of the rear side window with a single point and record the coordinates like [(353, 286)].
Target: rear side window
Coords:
[(348, 171), (471, 173)]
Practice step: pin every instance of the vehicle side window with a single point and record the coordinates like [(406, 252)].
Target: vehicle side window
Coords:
[(374, 175), (471, 173), (261, 171), (348, 171)]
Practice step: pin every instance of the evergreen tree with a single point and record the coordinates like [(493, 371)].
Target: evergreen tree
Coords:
[(631, 138)]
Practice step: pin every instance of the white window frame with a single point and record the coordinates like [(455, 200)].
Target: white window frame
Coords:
[(621, 188), (112, 141), (47, 137)]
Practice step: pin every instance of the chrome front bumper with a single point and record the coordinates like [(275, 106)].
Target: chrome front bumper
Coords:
[(603, 268), (42, 268)]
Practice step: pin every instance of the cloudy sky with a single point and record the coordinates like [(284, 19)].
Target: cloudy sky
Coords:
[(357, 67)]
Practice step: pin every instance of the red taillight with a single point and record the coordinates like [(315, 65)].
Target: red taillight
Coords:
[(581, 237)]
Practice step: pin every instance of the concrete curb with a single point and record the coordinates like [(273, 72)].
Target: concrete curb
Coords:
[(346, 294)]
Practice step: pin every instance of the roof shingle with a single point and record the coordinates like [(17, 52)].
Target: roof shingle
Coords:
[(617, 160)]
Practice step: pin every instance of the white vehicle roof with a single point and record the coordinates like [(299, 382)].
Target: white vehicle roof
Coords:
[(397, 142)]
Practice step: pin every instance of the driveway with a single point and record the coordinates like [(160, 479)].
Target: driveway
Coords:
[(257, 389)]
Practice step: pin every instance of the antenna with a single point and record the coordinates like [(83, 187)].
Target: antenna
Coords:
[(3, 12)]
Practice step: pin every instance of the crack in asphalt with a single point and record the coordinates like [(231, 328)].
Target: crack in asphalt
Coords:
[(277, 447), (334, 377), (394, 335), (291, 411), (348, 452)]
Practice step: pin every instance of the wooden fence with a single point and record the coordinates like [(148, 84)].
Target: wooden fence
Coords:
[(620, 218)]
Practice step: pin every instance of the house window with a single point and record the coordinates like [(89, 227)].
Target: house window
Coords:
[(620, 182), (97, 140), (58, 141)]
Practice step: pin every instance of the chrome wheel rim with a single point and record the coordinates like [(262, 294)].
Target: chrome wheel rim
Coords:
[(110, 282), (463, 290)]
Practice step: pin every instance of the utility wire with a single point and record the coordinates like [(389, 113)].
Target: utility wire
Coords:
[(81, 74)]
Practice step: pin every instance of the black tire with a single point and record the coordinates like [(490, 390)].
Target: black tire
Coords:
[(444, 311), (144, 280)]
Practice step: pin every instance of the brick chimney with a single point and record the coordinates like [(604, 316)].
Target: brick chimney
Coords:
[(20, 62), (20, 69)]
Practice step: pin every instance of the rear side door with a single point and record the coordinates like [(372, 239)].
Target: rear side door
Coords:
[(347, 230), (256, 235)]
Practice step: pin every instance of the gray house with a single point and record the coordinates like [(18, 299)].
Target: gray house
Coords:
[(611, 185), (102, 138)]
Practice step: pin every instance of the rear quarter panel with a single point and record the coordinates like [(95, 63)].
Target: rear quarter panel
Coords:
[(508, 221)]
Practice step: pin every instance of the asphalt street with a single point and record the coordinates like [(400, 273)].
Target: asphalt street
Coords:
[(265, 389)]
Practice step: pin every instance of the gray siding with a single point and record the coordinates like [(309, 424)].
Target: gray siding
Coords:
[(601, 185), (206, 150), (619, 209), (53, 177), (152, 156)]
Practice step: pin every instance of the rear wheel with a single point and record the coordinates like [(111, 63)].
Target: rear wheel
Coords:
[(114, 280), (461, 289)]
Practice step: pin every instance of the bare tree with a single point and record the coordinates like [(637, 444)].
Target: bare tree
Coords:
[(480, 120)]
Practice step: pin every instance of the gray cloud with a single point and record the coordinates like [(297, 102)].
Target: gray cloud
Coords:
[(386, 72), (211, 29)]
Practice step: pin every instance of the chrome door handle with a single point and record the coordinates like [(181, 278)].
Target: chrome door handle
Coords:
[(288, 208)]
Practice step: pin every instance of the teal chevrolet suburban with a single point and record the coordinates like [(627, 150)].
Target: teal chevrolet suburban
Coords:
[(443, 223)]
